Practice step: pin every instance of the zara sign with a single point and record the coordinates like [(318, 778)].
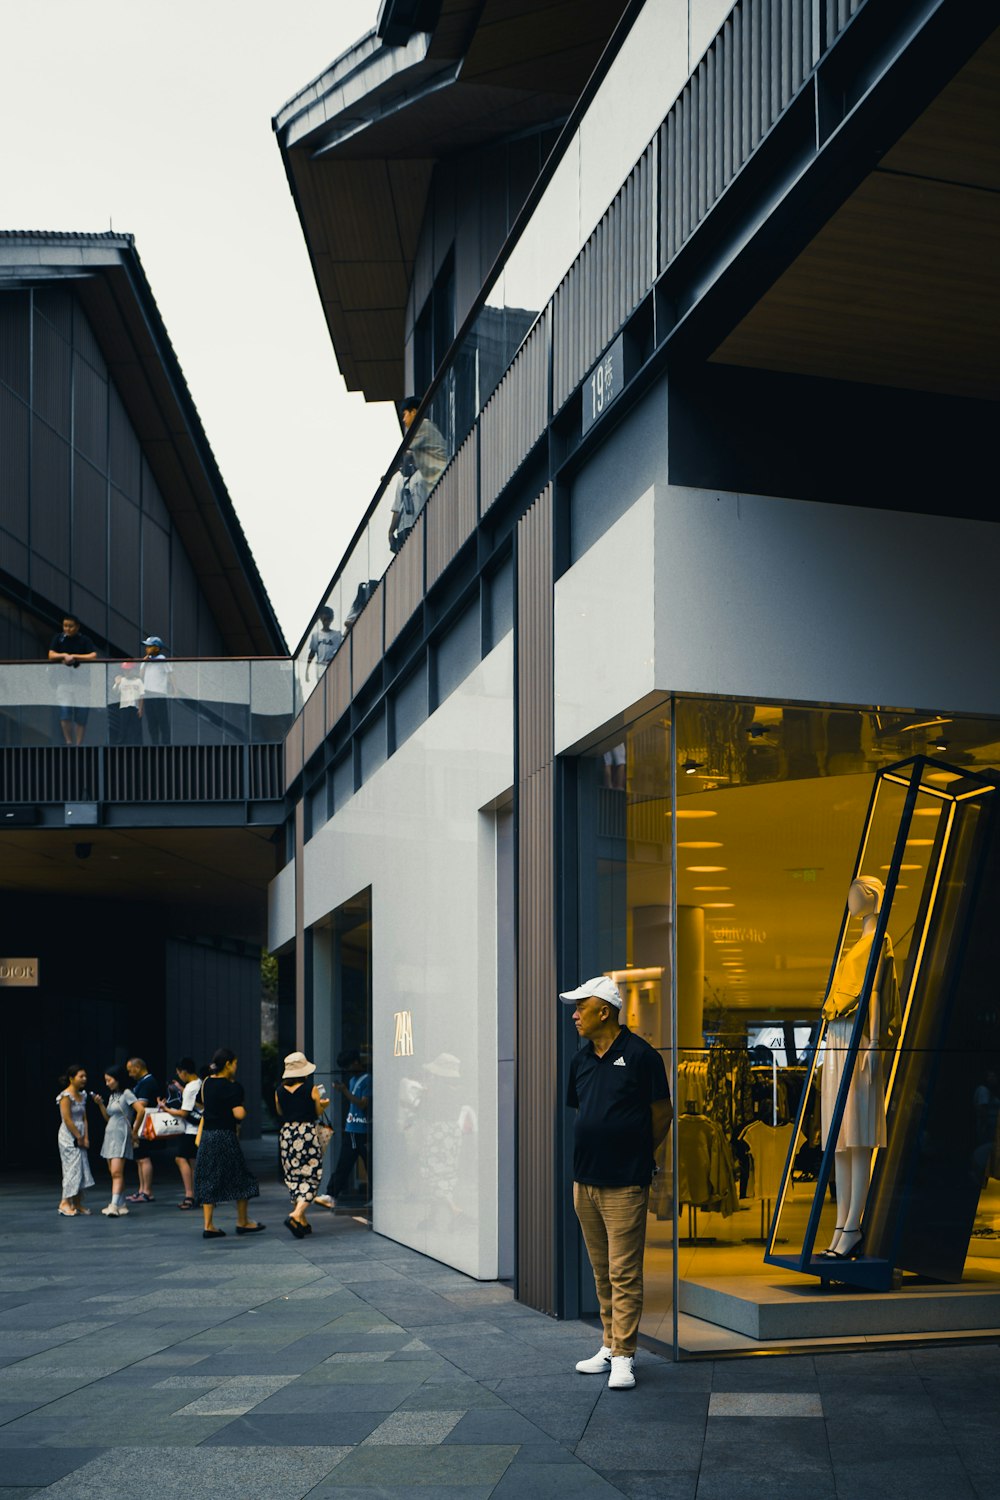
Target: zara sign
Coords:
[(18, 973)]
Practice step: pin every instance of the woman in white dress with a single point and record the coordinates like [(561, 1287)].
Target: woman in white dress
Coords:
[(122, 1116), (74, 1141)]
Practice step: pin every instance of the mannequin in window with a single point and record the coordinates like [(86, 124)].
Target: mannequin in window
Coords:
[(863, 1127)]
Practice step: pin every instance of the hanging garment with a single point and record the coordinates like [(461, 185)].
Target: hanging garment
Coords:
[(768, 1146), (706, 1175), (692, 1085), (730, 1096)]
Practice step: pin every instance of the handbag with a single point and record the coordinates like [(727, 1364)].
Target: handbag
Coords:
[(157, 1125), (324, 1133)]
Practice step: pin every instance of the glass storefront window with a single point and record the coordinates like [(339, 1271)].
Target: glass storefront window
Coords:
[(771, 802), (342, 1044), (625, 931)]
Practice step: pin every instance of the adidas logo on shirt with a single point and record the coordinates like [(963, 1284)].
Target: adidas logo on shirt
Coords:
[(619, 1062)]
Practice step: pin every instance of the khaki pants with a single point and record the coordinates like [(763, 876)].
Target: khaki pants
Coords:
[(613, 1220)]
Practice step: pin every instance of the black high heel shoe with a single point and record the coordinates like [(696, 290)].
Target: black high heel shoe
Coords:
[(829, 1253), (856, 1251)]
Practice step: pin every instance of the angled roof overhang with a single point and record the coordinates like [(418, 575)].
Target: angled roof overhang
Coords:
[(107, 276), (360, 144)]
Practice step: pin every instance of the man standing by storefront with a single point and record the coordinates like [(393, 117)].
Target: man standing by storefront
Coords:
[(618, 1086)]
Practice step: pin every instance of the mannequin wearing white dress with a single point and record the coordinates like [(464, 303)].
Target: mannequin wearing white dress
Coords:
[(863, 1127)]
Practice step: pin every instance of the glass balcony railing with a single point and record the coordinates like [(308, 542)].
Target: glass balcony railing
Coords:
[(476, 366), (178, 702)]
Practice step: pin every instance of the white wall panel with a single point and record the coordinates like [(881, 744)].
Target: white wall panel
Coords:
[(415, 834), (281, 909), (604, 637), (751, 596), (792, 599)]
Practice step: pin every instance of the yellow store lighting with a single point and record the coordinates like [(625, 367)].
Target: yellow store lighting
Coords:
[(902, 867), (698, 844), (696, 812), (706, 869), (717, 905), (919, 843), (713, 887)]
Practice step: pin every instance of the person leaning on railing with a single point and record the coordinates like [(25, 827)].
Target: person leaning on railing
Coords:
[(325, 641), (70, 647), (424, 461)]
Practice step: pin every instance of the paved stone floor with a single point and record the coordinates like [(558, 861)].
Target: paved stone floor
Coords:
[(138, 1359)]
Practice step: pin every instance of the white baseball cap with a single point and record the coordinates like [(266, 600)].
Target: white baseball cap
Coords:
[(598, 988)]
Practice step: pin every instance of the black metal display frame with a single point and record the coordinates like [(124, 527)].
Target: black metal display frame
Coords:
[(877, 1272)]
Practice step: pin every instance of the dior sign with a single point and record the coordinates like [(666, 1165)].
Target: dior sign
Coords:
[(18, 973)]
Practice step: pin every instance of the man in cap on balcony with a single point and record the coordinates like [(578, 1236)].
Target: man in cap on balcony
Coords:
[(157, 690), (618, 1086)]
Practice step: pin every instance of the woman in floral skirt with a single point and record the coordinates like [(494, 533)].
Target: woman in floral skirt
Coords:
[(299, 1106)]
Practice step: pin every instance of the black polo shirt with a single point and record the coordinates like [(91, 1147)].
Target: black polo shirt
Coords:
[(76, 645), (613, 1096), (147, 1089)]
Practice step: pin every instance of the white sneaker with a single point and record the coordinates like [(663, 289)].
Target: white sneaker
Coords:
[(110, 1211), (119, 1211), (622, 1377), (325, 1201), (599, 1365)]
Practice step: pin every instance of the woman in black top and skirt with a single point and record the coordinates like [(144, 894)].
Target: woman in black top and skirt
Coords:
[(299, 1103), (221, 1175)]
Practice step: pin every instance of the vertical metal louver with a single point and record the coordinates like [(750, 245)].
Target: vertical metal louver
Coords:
[(517, 413), (535, 1050), (606, 282), (754, 68)]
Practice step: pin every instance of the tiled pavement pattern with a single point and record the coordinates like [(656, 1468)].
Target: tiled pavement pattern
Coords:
[(137, 1358)]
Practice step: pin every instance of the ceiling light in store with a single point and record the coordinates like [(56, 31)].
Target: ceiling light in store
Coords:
[(924, 843), (698, 844), (902, 867), (692, 767), (927, 812), (944, 776), (713, 888), (706, 869), (696, 812), (716, 905), (939, 742)]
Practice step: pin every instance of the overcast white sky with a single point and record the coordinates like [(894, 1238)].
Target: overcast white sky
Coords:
[(155, 116)]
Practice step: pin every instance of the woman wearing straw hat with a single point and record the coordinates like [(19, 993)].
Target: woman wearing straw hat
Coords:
[(298, 1107)]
